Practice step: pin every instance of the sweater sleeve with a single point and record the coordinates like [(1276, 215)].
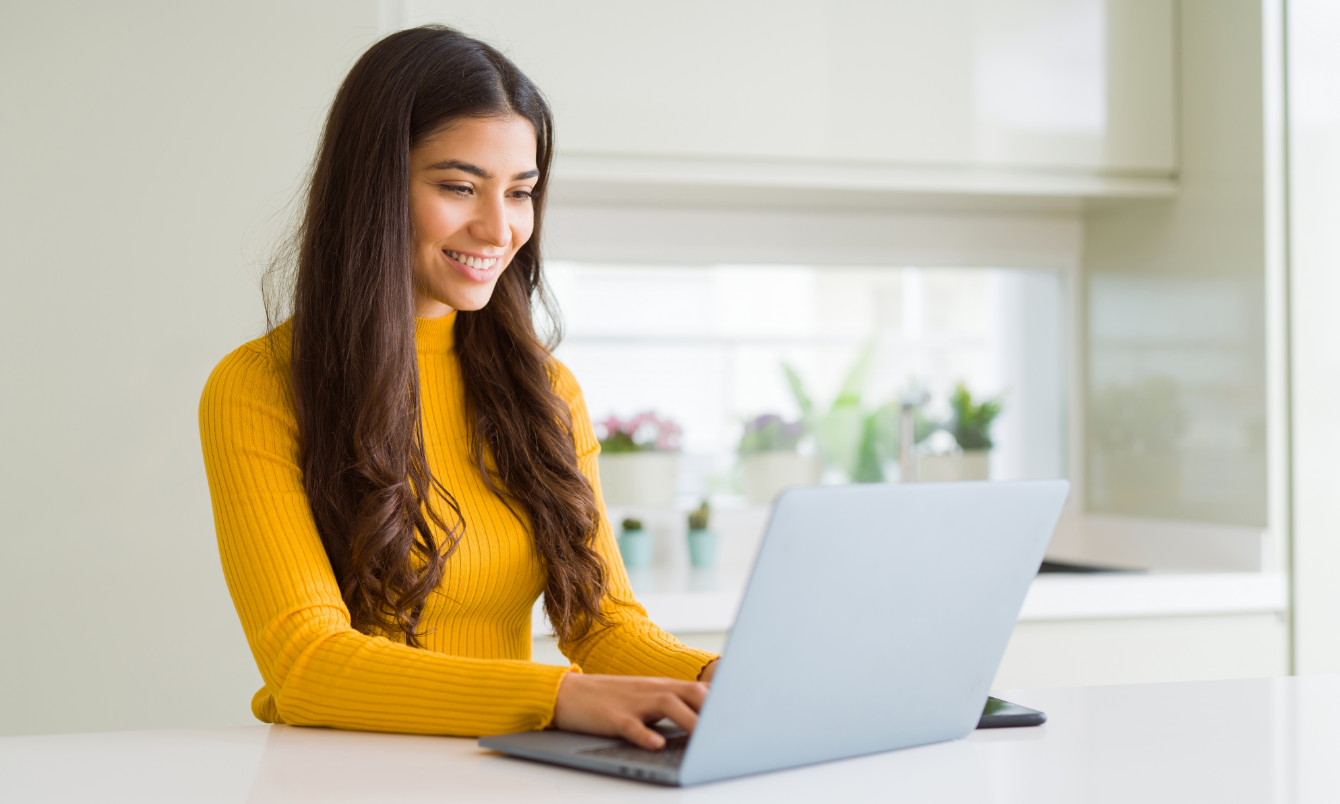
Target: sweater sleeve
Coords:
[(634, 646), (319, 671)]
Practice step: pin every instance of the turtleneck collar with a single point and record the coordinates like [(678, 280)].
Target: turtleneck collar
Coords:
[(435, 335)]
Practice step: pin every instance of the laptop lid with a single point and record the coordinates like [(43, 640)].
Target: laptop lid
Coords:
[(875, 618)]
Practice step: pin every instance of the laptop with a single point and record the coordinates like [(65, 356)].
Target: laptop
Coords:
[(875, 618)]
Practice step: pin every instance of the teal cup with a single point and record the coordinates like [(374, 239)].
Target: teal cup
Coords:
[(635, 548), (702, 548)]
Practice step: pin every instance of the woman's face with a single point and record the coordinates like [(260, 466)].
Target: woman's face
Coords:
[(469, 198)]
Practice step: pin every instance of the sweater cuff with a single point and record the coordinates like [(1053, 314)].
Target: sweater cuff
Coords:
[(653, 653), (547, 718)]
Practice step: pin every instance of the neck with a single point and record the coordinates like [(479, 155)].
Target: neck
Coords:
[(427, 307)]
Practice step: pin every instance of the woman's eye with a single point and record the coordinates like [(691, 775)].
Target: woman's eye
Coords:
[(459, 189), (522, 194)]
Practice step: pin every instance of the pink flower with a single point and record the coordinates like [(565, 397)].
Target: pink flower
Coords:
[(647, 430), (608, 427)]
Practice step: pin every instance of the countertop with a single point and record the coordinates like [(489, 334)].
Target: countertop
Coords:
[(1258, 741), (683, 600)]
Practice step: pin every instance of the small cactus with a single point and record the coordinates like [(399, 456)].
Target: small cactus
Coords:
[(698, 519), (632, 524)]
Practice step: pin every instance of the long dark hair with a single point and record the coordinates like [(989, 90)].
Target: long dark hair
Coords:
[(355, 373)]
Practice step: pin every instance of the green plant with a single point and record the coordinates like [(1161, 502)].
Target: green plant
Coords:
[(857, 442), (971, 422), (770, 433), (645, 432), (698, 519), (632, 524), (879, 443), (837, 432)]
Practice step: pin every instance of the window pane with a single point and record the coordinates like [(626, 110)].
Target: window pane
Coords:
[(706, 347)]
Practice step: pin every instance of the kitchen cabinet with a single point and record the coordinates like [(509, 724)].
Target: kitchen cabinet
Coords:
[(1050, 97)]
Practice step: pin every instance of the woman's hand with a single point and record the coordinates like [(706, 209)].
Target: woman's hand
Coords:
[(622, 706), (710, 670)]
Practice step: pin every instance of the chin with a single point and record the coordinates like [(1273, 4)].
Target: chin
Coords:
[(476, 300)]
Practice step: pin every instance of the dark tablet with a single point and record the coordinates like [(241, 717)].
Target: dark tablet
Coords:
[(1000, 714)]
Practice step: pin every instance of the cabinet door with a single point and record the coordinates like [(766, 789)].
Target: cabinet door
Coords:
[(1071, 84)]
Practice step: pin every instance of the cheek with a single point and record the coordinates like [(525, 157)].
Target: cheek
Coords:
[(432, 222), (523, 225)]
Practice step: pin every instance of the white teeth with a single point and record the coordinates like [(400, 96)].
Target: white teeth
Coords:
[(478, 263)]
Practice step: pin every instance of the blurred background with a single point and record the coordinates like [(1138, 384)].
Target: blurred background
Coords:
[(792, 242)]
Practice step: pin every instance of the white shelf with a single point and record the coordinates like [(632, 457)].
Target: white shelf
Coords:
[(613, 170)]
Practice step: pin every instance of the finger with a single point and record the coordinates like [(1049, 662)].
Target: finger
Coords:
[(637, 733), (693, 693), (679, 712)]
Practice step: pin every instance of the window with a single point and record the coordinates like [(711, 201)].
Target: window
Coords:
[(706, 345)]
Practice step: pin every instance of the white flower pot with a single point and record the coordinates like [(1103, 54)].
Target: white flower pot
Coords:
[(639, 479), (973, 464), (767, 473)]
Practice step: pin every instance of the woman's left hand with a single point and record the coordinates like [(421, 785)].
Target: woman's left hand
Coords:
[(706, 675)]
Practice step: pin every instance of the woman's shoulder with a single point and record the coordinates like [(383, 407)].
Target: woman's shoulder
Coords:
[(564, 381), (255, 372), (566, 387)]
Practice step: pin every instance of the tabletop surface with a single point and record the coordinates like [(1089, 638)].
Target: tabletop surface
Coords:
[(1261, 740)]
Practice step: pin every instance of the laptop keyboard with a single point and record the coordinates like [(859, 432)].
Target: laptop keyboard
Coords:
[(669, 757)]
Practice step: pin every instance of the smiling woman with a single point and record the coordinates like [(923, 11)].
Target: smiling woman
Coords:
[(400, 467)]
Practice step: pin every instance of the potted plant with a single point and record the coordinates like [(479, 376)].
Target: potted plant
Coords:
[(853, 442), (702, 541), (638, 460), (769, 461), (635, 543), (838, 430), (970, 425)]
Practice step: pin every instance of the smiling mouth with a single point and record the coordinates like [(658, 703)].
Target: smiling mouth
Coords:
[(483, 264)]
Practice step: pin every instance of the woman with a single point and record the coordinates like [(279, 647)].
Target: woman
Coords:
[(401, 468)]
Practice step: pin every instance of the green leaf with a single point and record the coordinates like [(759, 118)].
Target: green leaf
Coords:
[(620, 442), (869, 466), (854, 385), (798, 391), (971, 423)]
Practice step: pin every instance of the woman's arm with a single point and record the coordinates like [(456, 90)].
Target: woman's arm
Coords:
[(317, 669)]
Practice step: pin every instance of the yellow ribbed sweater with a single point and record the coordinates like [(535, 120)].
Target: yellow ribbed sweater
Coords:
[(474, 675)]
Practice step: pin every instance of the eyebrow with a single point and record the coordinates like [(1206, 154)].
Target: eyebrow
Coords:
[(474, 170)]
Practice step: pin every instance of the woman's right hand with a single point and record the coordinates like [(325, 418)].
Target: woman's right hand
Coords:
[(622, 706)]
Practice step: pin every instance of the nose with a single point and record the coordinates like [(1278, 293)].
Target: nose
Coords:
[(491, 224)]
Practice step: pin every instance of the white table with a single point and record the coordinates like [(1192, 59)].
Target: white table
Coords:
[(1266, 740)]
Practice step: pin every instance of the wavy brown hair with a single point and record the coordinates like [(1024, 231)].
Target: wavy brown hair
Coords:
[(377, 505)]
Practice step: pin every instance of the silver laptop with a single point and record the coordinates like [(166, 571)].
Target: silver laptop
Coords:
[(875, 619)]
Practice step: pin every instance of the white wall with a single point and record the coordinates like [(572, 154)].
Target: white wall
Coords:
[(143, 145), (1314, 209)]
